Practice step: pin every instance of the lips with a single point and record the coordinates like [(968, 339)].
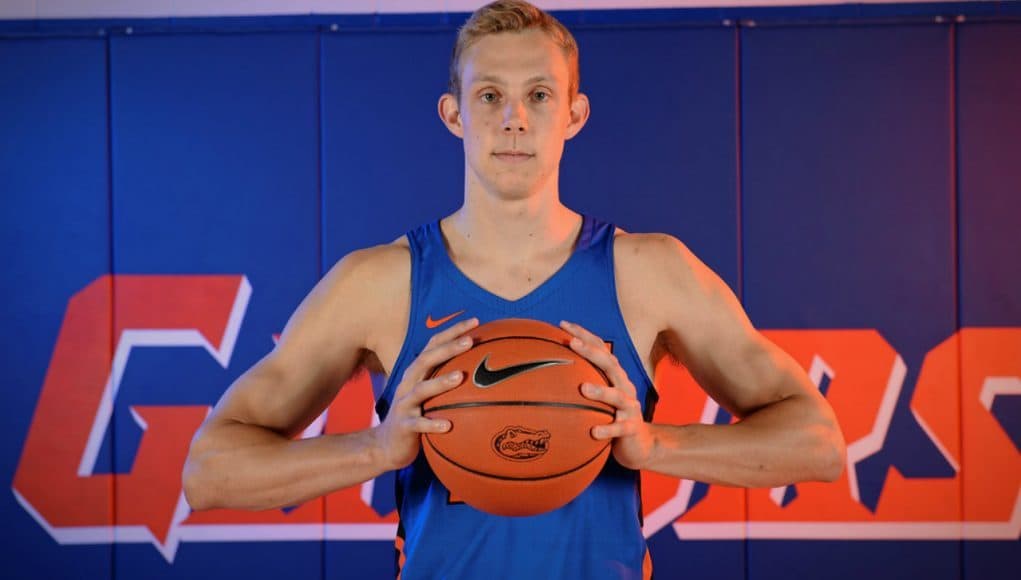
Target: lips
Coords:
[(512, 156)]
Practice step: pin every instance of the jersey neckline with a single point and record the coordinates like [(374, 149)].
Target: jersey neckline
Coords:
[(454, 273)]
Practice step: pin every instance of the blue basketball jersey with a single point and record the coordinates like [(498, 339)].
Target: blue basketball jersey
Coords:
[(598, 534)]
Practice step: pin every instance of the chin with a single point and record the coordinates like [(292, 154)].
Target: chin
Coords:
[(514, 184), (513, 193), (515, 188)]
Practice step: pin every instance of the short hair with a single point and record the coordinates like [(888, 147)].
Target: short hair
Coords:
[(512, 16)]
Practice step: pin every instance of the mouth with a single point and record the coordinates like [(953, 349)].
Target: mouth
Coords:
[(512, 156)]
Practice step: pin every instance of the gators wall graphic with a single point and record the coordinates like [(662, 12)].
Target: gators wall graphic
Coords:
[(171, 190)]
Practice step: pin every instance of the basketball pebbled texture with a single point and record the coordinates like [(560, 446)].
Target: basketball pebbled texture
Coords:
[(520, 441)]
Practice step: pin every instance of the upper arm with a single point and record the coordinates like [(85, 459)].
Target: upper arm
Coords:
[(705, 328), (322, 344)]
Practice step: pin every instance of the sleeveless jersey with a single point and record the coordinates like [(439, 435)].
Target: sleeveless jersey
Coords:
[(597, 535)]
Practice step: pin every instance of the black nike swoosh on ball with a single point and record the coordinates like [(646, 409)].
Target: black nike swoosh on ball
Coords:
[(486, 377)]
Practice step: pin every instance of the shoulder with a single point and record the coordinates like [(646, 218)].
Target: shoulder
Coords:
[(364, 290), (661, 271), (638, 242), (369, 269), (379, 260), (655, 254)]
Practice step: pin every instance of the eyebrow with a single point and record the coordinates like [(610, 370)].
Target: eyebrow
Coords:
[(499, 81)]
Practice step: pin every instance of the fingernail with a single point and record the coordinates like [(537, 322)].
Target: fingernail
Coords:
[(464, 341), (454, 377), (576, 342), (444, 426)]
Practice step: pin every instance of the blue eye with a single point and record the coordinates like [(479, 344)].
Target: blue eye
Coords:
[(488, 97)]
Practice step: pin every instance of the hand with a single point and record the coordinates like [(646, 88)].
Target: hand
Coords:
[(398, 436), (633, 440)]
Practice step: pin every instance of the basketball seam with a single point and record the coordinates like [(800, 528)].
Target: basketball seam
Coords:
[(578, 406)]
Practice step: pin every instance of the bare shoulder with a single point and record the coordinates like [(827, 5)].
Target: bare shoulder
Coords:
[(326, 338), (372, 279), (340, 314), (652, 248), (375, 284), (680, 295), (385, 273), (660, 268), (384, 264), (653, 274)]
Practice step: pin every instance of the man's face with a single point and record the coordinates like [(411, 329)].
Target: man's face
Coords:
[(514, 112)]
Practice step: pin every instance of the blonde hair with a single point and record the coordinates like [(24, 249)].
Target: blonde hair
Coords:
[(512, 16)]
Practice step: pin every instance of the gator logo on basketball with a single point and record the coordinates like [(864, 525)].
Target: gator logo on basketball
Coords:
[(521, 443)]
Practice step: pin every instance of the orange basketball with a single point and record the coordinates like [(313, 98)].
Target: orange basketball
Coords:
[(520, 441)]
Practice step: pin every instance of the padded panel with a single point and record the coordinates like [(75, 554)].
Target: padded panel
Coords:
[(216, 194), (54, 242), (848, 224)]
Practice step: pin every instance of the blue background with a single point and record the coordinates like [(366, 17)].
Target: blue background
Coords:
[(836, 172)]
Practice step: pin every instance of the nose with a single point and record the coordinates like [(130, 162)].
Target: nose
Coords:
[(514, 118)]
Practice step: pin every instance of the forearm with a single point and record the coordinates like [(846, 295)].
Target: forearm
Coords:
[(779, 444), (249, 467)]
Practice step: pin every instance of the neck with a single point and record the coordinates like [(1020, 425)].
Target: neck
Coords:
[(511, 230)]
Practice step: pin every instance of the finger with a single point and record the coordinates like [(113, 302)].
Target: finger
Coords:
[(581, 332), (606, 362), (627, 406), (425, 390), (583, 337), (451, 333), (615, 429), (426, 425), (429, 359)]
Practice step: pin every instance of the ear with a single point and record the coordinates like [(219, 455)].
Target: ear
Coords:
[(579, 115), (450, 114)]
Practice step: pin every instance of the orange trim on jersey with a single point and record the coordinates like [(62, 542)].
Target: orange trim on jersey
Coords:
[(399, 544), (647, 565), (430, 323)]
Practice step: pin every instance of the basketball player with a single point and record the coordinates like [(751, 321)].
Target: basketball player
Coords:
[(513, 250)]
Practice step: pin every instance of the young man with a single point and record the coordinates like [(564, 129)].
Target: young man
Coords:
[(513, 250)]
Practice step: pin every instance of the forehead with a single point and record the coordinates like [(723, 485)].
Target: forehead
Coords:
[(514, 57)]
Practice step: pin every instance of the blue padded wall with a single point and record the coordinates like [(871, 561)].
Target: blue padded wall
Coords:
[(848, 223), (54, 241), (811, 166), (658, 153), (215, 142), (388, 161), (989, 178), (989, 122)]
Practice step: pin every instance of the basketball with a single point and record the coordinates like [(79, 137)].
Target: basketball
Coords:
[(520, 441)]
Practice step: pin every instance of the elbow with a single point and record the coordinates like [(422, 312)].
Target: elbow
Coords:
[(834, 456), (833, 469), (192, 488), (196, 492)]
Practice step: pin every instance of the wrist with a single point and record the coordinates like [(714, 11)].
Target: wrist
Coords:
[(377, 450), (653, 449)]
